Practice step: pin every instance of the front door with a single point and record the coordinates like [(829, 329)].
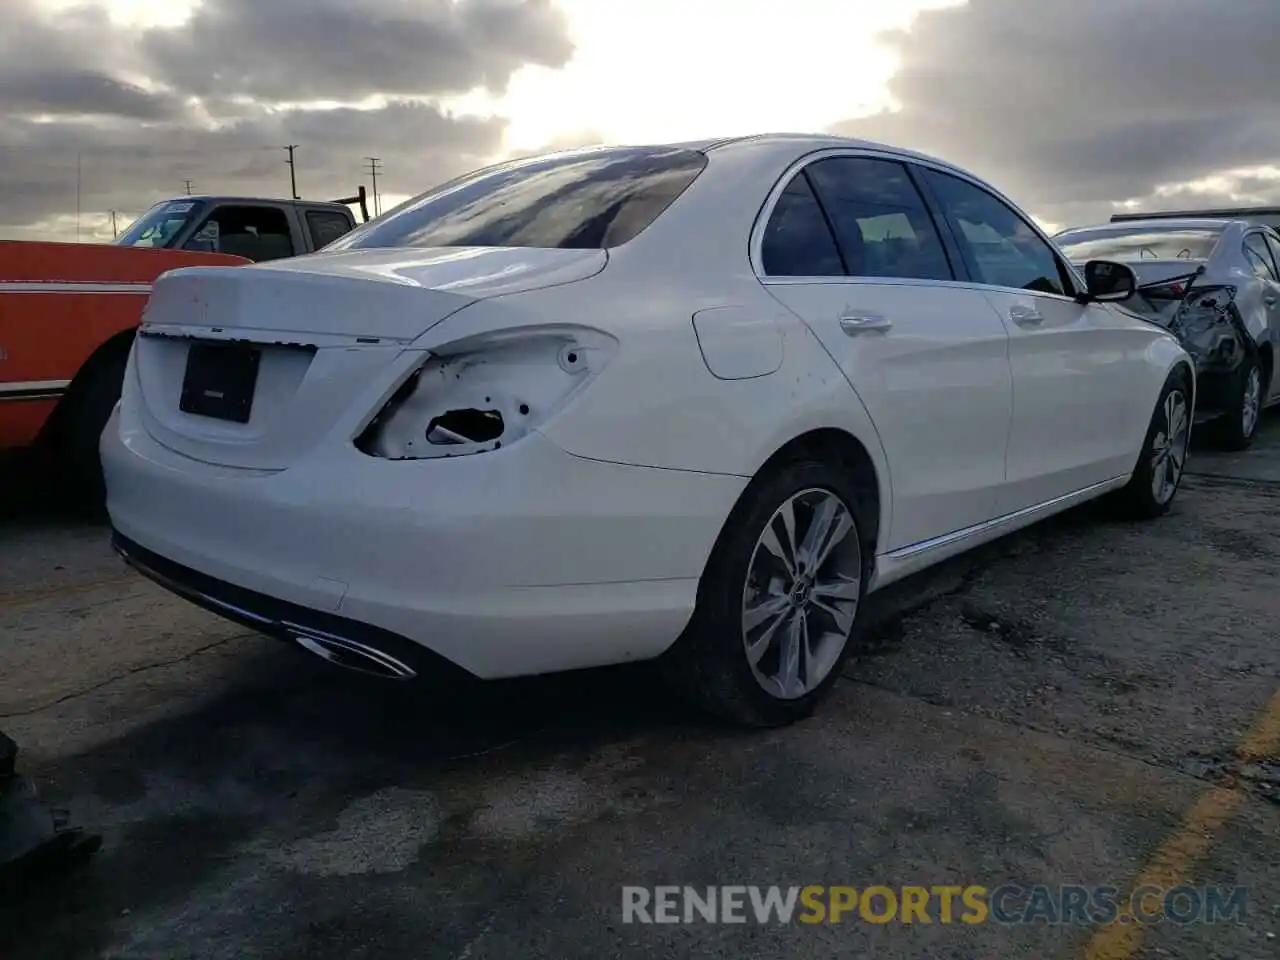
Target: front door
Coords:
[(1073, 411), (851, 248)]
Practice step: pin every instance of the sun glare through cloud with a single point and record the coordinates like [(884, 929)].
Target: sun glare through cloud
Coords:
[(656, 70)]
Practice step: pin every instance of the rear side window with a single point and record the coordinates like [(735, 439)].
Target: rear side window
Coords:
[(797, 241), (326, 226), (880, 220), (587, 201)]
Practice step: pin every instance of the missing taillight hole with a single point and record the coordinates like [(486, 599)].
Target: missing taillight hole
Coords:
[(465, 426)]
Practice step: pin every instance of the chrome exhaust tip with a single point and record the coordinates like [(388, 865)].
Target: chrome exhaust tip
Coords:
[(350, 654)]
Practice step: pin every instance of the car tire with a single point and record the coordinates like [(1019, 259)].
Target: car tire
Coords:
[(1162, 462), (88, 408), (1236, 428), (711, 663)]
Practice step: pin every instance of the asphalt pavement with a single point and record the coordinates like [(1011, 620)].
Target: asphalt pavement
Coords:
[(1089, 703)]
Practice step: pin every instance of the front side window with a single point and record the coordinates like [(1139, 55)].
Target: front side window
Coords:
[(880, 219), (257, 233), (588, 200), (1259, 257), (797, 241), (1002, 248)]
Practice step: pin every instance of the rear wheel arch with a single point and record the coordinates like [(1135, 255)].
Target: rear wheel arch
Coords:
[(833, 445)]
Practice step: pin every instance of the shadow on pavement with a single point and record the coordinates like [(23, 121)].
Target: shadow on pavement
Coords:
[(31, 491), (288, 739)]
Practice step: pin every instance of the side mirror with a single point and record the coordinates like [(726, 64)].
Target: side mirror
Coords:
[(1108, 281)]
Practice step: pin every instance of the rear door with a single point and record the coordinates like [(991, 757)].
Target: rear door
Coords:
[(1074, 410), (851, 247), (1267, 268)]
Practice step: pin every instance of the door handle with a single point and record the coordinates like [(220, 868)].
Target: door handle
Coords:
[(1025, 316), (852, 326), (1269, 300)]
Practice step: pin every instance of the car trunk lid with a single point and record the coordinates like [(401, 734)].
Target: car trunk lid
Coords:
[(250, 366)]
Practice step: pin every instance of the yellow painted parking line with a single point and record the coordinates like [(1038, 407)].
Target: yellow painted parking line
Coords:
[(1173, 862), (52, 593)]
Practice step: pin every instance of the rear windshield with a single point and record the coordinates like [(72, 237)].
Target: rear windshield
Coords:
[(592, 200), (1139, 243)]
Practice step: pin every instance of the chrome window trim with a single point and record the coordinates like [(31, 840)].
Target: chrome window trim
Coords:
[(756, 240)]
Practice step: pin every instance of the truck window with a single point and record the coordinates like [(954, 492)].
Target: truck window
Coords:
[(326, 226), (160, 225), (257, 233)]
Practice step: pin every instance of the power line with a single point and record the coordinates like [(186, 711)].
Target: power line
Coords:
[(293, 178), (374, 167)]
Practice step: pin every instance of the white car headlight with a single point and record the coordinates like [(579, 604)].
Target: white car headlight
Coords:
[(485, 392)]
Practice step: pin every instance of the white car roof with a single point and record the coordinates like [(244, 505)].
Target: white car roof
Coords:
[(786, 144)]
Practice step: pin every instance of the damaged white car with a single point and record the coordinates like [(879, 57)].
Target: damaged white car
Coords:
[(689, 402)]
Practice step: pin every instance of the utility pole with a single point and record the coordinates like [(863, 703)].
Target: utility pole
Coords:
[(188, 183), (78, 159), (374, 167), (115, 231), (293, 178)]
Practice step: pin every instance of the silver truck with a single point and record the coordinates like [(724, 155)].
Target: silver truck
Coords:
[(255, 228)]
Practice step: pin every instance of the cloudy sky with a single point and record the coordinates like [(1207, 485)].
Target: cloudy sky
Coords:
[(1071, 106)]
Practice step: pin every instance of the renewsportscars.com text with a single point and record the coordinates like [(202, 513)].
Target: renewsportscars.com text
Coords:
[(1005, 904)]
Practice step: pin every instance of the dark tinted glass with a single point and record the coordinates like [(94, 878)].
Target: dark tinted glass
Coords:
[(326, 226), (591, 200), (1274, 246), (1259, 257), (880, 219), (1002, 248), (797, 242)]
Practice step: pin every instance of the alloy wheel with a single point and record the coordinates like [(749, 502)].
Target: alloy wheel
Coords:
[(803, 586), (1251, 402), (1169, 448)]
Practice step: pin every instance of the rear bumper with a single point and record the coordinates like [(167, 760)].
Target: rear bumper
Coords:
[(519, 561), (344, 641)]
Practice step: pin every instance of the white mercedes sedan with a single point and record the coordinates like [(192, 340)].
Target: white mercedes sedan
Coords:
[(690, 402)]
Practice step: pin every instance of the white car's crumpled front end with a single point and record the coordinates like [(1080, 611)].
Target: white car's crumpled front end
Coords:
[(350, 506)]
